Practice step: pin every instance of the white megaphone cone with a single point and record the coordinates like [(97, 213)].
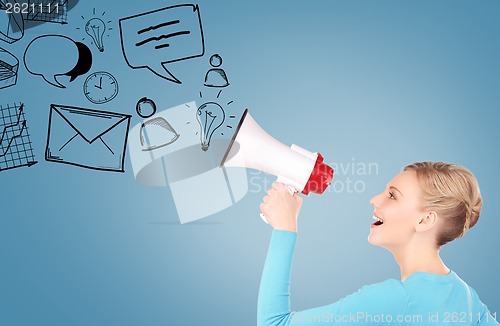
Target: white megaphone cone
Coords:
[(299, 169)]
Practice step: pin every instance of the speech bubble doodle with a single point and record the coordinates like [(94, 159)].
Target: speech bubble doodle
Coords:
[(152, 39), (84, 62), (50, 56)]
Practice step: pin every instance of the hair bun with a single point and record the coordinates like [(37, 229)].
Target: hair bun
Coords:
[(453, 193), (473, 213)]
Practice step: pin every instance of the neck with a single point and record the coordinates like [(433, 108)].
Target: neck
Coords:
[(416, 258)]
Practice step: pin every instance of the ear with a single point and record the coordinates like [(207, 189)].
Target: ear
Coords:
[(427, 222)]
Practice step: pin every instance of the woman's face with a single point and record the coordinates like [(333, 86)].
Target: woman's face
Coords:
[(399, 208)]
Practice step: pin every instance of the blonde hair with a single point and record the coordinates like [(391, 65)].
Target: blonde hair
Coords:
[(453, 193)]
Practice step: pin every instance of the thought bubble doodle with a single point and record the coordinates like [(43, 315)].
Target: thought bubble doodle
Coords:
[(152, 39), (56, 55)]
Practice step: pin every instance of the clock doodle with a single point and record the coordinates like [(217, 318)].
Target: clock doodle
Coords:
[(100, 87)]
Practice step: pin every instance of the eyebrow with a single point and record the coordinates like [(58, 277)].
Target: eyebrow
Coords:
[(392, 187)]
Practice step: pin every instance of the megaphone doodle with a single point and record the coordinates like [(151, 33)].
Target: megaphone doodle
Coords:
[(301, 170)]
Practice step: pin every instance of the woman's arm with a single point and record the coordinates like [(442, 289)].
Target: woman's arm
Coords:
[(382, 302), (281, 211), (273, 308)]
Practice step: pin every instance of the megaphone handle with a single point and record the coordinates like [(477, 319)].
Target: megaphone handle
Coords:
[(291, 190)]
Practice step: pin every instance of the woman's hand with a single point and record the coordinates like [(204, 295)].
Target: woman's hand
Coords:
[(280, 208)]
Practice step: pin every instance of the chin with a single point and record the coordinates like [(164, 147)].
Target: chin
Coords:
[(374, 241)]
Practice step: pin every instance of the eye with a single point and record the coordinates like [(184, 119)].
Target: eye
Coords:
[(391, 195)]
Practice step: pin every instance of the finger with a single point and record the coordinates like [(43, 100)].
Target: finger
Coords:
[(262, 207), (277, 186)]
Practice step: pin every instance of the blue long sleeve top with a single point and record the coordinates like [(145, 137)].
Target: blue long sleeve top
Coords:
[(422, 299)]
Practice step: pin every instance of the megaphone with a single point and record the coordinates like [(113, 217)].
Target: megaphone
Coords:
[(252, 147)]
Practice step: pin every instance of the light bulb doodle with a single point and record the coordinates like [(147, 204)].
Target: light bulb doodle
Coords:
[(210, 116), (224, 107), (95, 28)]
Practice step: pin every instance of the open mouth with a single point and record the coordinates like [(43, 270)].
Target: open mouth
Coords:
[(378, 221)]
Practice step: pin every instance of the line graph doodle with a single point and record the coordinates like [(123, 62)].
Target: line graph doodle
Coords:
[(15, 143), (23, 124), (12, 125)]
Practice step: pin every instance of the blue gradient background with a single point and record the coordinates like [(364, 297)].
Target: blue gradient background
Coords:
[(383, 82)]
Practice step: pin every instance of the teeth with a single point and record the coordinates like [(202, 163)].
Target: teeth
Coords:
[(378, 219)]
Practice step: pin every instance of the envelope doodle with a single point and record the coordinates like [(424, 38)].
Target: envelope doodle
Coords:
[(87, 138)]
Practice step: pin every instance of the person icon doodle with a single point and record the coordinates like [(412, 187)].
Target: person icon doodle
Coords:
[(216, 77), (156, 132)]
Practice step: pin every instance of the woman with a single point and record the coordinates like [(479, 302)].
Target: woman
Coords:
[(422, 208)]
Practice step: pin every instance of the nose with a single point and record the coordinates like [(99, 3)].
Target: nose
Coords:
[(374, 200)]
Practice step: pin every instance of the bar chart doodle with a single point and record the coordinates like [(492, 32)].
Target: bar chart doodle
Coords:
[(15, 143), (49, 11)]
